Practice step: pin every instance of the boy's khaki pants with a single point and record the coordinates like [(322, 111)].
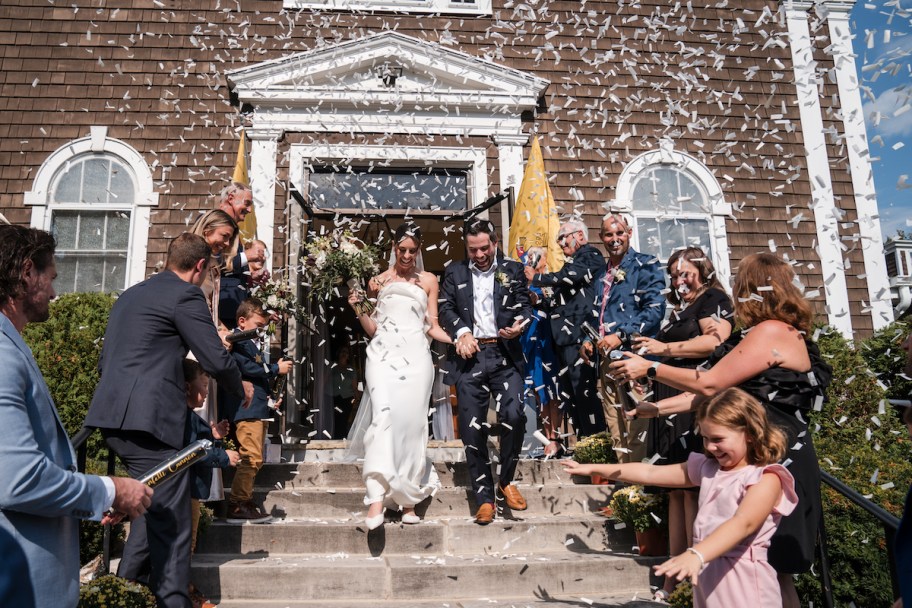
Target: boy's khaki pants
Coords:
[(628, 436), (250, 435)]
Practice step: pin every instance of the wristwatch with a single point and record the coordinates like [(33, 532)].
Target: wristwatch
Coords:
[(651, 372)]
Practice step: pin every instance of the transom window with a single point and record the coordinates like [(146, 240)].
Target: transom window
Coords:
[(671, 211), (331, 187)]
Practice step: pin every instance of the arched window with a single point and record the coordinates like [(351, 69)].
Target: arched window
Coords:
[(95, 195), (675, 202)]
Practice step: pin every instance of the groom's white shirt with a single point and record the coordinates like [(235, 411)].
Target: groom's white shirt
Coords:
[(483, 301)]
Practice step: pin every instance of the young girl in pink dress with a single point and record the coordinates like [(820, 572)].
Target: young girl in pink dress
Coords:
[(743, 495)]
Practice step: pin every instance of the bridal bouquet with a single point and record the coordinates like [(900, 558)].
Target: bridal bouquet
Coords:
[(338, 258)]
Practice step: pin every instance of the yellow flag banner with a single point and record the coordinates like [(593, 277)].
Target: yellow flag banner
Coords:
[(535, 219), (249, 225)]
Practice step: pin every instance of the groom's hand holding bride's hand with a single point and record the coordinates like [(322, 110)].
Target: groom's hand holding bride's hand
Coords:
[(466, 345)]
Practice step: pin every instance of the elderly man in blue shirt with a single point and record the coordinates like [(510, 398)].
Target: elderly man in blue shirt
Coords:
[(629, 301)]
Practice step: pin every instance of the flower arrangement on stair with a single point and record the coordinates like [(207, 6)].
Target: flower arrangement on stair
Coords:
[(647, 514), (595, 449)]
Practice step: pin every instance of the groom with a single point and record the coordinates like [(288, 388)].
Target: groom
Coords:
[(485, 308)]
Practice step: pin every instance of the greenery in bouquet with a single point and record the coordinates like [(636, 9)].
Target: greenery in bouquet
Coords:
[(638, 509), (595, 449), (337, 258), (278, 298)]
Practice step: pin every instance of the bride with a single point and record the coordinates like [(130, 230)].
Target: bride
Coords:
[(392, 422)]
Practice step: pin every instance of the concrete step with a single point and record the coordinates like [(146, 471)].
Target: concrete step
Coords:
[(455, 536), (636, 600), (348, 475), (336, 450), (345, 577), (447, 502)]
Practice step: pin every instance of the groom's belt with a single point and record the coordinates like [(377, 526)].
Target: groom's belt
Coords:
[(484, 341)]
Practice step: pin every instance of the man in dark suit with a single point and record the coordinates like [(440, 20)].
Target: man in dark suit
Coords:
[(237, 201), (42, 497), (572, 301), (140, 404), (485, 307)]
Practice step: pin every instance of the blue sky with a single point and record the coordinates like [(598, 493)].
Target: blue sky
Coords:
[(883, 49)]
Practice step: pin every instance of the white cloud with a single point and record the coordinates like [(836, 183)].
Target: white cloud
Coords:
[(888, 115)]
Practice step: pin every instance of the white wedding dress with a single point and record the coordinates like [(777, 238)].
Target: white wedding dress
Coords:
[(391, 429)]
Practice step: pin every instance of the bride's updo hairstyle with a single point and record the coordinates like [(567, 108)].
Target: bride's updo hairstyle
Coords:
[(407, 230), (765, 289)]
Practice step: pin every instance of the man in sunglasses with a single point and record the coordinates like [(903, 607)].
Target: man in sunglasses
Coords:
[(570, 305)]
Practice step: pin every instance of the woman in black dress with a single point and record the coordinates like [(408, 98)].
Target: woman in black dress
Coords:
[(700, 320), (773, 359)]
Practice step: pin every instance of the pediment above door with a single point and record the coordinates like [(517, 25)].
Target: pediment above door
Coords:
[(422, 84)]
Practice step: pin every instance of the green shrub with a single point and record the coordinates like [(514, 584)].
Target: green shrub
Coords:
[(884, 355), (861, 441), (594, 449), (66, 348), (110, 591), (682, 596)]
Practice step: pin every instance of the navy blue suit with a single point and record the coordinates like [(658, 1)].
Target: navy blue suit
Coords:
[(250, 360), (496, 370), (232, 290), (140, 405), (573, 292)]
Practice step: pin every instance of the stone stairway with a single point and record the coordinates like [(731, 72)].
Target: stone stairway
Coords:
[(318, 552)]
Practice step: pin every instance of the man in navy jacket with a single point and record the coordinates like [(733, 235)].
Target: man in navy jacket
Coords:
[(140, 403), (570, 304), (237, 201)]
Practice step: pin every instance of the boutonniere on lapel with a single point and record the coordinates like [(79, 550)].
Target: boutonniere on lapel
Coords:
[(547, 292), (619, 275), (502, 278)]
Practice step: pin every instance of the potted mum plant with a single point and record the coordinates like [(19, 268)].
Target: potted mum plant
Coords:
[(595, 449), (647, 514)]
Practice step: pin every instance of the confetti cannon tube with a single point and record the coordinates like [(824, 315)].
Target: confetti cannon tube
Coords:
[(176, 463)]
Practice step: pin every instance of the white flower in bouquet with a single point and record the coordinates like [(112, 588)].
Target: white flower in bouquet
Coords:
[(349, 248)]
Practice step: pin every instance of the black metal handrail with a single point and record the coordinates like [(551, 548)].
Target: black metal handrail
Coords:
[(890, 525), (79, 441)]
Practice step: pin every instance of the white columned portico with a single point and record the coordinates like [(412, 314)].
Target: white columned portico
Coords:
[(263, 148), (856, 141), (826, 214), (510, 165)]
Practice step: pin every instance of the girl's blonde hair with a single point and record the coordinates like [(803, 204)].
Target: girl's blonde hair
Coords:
[(735, 409)]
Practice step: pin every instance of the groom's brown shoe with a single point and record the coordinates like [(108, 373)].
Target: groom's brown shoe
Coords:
[(513, 498), (485, 514)]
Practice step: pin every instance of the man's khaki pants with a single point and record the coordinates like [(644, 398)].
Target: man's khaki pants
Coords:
[(628, 436)]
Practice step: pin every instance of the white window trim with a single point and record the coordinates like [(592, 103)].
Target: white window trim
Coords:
[(474, 160), (719, 209), (478, 7), (144, 195)]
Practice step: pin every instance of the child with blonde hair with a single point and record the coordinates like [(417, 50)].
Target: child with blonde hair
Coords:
[(743, 495)]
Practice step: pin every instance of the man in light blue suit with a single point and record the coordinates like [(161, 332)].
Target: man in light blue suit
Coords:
[(42, 497)]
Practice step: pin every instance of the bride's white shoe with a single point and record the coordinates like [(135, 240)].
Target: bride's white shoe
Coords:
[(410, 518), (374, 522)]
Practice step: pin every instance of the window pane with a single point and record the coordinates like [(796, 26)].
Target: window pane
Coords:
[(95, 181), (118, 230), (89, 274), (66, 273), (388, 190), (690, 197), (121, 186), (63, 227), (91, 231), (115, 271), (669, 190), (662, 237), (68, 187)]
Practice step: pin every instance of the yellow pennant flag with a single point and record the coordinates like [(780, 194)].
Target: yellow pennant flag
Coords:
[(535, 219), (249, 225)]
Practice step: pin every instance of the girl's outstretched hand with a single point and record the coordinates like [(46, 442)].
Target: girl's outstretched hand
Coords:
[(685, 565), (575, 468)]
